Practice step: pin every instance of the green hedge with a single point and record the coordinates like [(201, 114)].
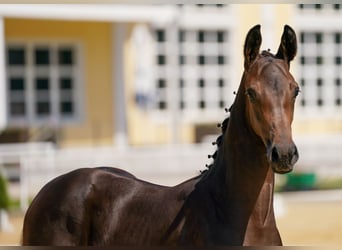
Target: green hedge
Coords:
[(4, 197), (300, 181)]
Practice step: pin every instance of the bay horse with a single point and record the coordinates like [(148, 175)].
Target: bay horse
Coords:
[(230, 203)]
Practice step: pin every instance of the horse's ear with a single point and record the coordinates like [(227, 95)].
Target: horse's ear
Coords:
[(288, 45), (252, 45)]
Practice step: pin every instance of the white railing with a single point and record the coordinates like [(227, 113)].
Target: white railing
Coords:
[(167, 164), (39, 163)]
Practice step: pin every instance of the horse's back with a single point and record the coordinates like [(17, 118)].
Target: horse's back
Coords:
[(59, 214), (95, 206)]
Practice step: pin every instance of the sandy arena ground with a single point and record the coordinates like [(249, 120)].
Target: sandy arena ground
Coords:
[(304, 223)]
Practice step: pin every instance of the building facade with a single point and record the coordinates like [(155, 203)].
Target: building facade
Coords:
[(134, 75)]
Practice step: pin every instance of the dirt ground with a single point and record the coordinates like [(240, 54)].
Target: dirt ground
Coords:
[(312, 224), (302, 224)]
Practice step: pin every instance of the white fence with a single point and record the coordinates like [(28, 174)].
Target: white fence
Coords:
[(166, 165), (37, 163)]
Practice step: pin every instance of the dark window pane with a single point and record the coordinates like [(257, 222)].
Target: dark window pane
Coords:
[(181, 35), (161, 83), (181, 59), (221, 83), (319, 82), (338, 102), (302, 60), (221, 104), (221, 60), (303, 103), (320, 102), (17, 108), (161, 59), (319, 60), (67, 108), (16, 56), (302, 82), (43, 108), (182, 105), (66, 83), (337, 38), (160, 35), (162, 105), (201, 83), (65, 57), (200, 36), (17, 84), (42, 56), (338, 60), (319, 38), (42, 83), (201, 60), (220, 36), (181, 83), (337, 6), (201, 104), (337, 81)]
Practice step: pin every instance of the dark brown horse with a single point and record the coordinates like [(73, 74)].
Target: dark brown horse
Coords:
[(231, 203)]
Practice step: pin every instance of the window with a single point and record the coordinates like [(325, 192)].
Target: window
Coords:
[(203, 64), (42, 82), (320, 59)]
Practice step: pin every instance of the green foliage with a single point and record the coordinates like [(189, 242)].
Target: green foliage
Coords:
[(4, 197), (307, 181), (300, 181)]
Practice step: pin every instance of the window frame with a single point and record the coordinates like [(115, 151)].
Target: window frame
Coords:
[(30, 71), (327, 22), (191, 19)]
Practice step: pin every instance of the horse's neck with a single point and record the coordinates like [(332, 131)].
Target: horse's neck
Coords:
[(245, 179), (243, 158)]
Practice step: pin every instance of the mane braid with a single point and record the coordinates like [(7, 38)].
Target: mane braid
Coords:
[(218, 143)]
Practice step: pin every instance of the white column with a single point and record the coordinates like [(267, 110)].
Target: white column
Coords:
[(119, 102), (3, 88), (173, 79)]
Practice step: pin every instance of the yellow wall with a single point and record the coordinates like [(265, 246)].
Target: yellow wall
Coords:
[(95, 39)]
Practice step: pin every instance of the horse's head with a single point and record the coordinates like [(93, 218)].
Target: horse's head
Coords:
[(270, 92)]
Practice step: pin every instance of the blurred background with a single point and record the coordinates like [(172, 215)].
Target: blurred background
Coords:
[(142, 87)]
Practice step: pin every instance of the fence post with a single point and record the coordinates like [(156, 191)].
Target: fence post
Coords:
[(24, 185)]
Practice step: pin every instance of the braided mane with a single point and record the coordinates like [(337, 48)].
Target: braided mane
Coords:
[(218, 141)]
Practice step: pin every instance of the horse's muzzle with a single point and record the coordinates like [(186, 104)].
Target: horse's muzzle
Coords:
[(282, 157)]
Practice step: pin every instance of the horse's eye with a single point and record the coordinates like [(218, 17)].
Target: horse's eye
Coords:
[(251, 94), (296, 92)]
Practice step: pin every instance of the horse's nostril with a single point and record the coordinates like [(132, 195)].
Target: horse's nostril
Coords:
[(275, 155)]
